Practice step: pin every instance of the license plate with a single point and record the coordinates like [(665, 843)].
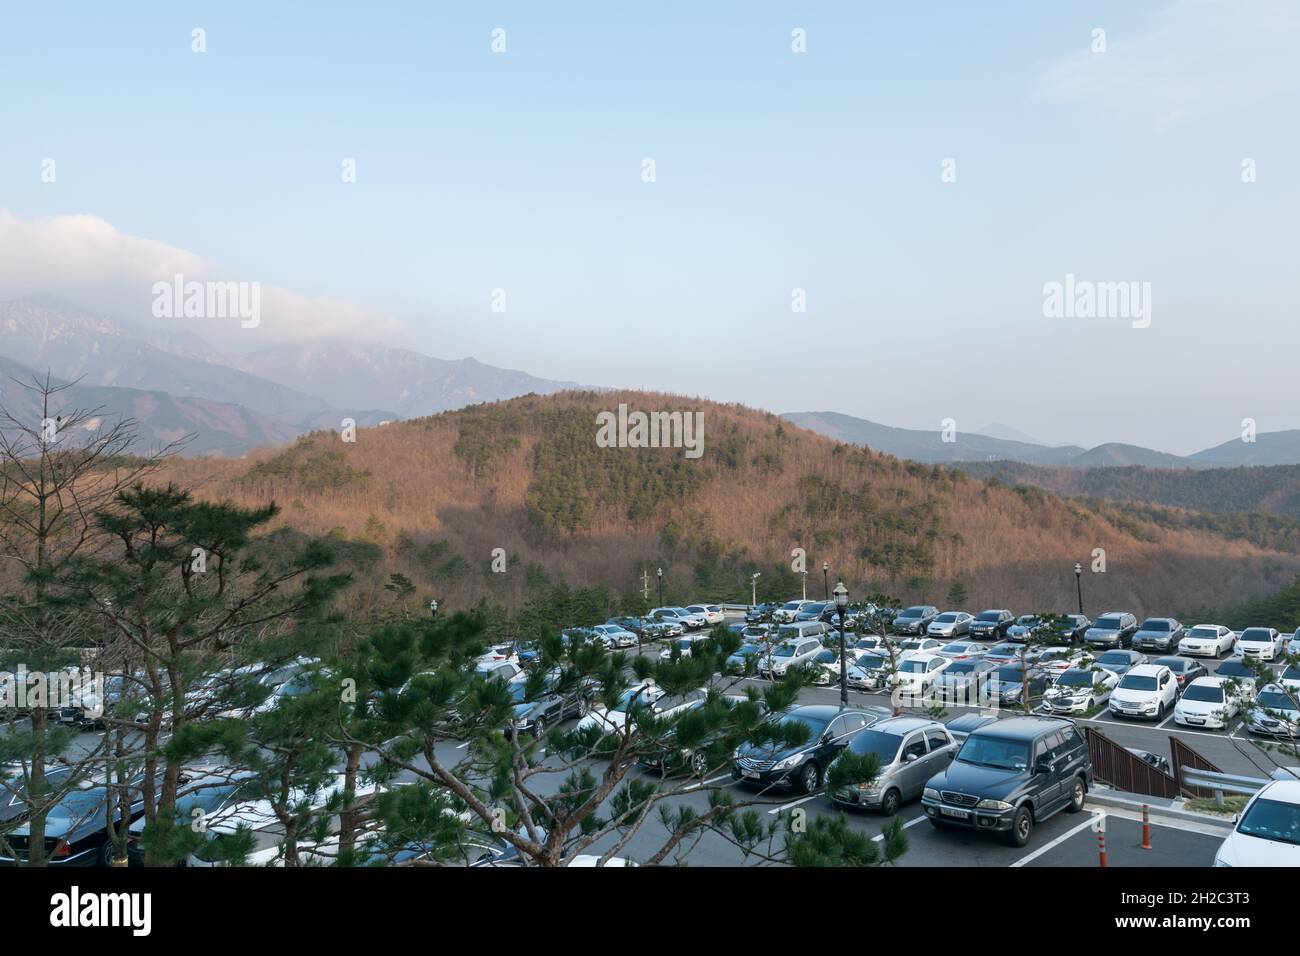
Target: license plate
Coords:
[(753, 774), (1194, 720), (959, 814)]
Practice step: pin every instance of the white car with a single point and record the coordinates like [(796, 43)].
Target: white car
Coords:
[(651, 697), (499, 652), (916, 674), (498, 670), (679, 615), (1055, 661), (1147, 690), (711, 613), (1268, 831), (1207, 702), (682, 645), (1259, 643), (950, 624), (1290, 678), (787, 611), (1275, 713), (1207, 640), (611, 635), (918, 645), (1079, 689), (790, 654), (961, 650)]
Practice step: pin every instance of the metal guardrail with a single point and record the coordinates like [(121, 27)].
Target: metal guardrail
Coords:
[(1221, 783)]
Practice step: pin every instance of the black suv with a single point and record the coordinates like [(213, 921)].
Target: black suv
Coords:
[(803, 766), (1010, 775), (991, 625)]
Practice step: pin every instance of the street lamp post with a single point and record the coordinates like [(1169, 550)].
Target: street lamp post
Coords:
[(753, 589), (1078, 583), (659, 573), (826, 579), (841, 605)]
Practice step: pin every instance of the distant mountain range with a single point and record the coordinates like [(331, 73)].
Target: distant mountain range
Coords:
[(176, 384), (1269, 448)]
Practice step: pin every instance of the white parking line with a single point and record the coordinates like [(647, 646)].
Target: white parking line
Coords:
[(705, 783), (910, 823), (787, 806), (1100, 814)]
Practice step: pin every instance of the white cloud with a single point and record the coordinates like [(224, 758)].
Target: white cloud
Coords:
[(1192, 57), (85, 261)]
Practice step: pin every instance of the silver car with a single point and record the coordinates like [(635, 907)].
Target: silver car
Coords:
[(911, 750)]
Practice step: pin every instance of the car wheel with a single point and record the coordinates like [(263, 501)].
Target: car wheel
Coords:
[(1077, 794), (539, 728), (889, 802), (1022, 827), (106, 853), (700, 764), (810, 777), (584, 706), (1091, 704)]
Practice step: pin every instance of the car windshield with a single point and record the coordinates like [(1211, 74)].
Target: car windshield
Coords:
[(1106, 624), (1027, 620), (960, 667), (911, 612), (1272, 700), (1203, 632), (1011, 675), (945, 618), (986, 751), (872, 662), (825, 657), (914, 666), (684, 644), (785, 650), (1272, 820), (1256, 634), (1006, 650), (1292, 672), (633, 695), (1075, 679), (1232, 669), (815, 726), (884, 746), (790, 606), (1113, 657), (744, 650), (1137, 682), (989, 616), (1206, 693), (1155, 624)]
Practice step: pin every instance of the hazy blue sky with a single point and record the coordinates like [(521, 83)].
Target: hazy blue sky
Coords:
[(775, 171)]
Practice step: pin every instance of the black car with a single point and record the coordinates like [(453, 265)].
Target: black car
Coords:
[(1071, 628), (803, 766), (991, 625), (1185, 671), (914, 620), (1006, 685), (1011, 775), (533, 716), (1158, 634), (760, 612), (76, 827)]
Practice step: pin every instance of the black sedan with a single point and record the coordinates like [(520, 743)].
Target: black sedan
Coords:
[(823, 731), (76, 827)]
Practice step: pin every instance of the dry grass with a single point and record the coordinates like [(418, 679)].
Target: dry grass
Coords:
[(1007, 548)]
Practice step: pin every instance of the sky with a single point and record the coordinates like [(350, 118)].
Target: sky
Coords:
[(775, 171)]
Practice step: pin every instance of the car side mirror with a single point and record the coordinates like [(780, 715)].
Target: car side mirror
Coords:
[(1042, 765), (910, 758)]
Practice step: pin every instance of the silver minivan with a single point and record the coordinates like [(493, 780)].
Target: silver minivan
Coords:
[(801, 629), (911, 750), (792, 653)]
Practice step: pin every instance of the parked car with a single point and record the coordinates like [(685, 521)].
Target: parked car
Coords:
[(816, 611), (961, 650), (1259, 643), (1290, 678), (1072, 629), (1079, 690), (740, 658), (1148, 690), (826, 668), (1209, 702), (650, 697), (1010, 776), (964, 725), (788, 654), (1112, 629), (950, 624), (798, 630), (1007, 684), (679, 615), (870, 642), (1268, 831), (914, 620), (919, 645), (869, 671), (204, 796), (711, 613), (682, 646), (1009, 652), (76, 824), (1275, 713), (554, 704), (1184, 671), (1208, 640), (917, 674), (497, 670), (1026, 626), (660, 624), (1055, 661), (991, 625), (788, 611), (1236, 670), (911, 750), (760, 612), (612, 635), (1120, 662), (1158, 634), (803, 766), (965, 681)]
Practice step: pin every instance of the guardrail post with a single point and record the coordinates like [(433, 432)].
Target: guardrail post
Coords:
[(1146, 826), (1218, 799), (1101, 847)]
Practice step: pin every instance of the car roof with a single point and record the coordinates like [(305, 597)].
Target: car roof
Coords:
[(825, 711), (1022, 728), (904, 725), (1209, 682), (1147, 670), (1287, 791)]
